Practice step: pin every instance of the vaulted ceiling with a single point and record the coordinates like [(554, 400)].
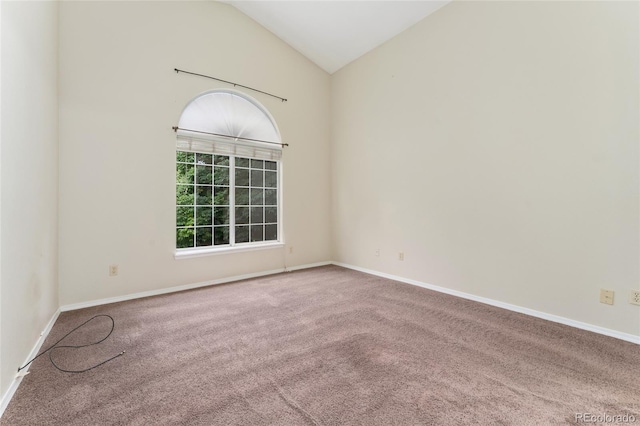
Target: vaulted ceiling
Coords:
[(334, 33)]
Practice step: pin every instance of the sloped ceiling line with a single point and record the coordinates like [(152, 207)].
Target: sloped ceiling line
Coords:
[(335, 33)]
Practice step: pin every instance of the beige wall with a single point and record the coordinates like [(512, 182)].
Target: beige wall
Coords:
[(496, 144), (29, 179), (119, 98)]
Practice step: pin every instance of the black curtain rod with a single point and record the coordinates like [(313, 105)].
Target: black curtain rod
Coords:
[(176, 128), (230, 82)]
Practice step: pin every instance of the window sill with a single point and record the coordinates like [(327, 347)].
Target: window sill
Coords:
[(190, 253)]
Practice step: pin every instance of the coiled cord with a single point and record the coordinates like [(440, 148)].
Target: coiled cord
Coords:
[(51, 348)]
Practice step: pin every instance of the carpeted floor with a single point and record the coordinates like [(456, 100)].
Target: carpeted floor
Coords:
[(326, 346)]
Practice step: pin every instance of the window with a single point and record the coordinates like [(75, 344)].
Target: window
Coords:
[(227, 176), (225, 200)]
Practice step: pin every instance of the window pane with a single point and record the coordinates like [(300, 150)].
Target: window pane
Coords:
[(271, 214), (242, 162), (208, 223), (203, 175), (184, 237), (270, 232), (270, 197), (221, 160), (221, 216), (256, 233), (203, 215), (271, 179), (222, 195), (242, 177), (242, 215), (256, 177), (184, 157), (222, 176), (242, 234), (242, 196), (184, 216), (204, 158), (203, 237), (256, 215), (257, 197), (203, 195), (184, 173), (221, 235), (184, 195)]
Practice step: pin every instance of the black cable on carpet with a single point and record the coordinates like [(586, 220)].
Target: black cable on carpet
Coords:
[(51, 348)]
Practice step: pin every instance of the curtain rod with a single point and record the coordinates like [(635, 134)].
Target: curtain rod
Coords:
[(230, 82), (176, 128)]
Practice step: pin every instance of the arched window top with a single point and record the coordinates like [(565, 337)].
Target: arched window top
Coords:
[(229, 113)]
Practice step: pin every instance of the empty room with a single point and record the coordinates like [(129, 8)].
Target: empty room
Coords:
[(319, 212)]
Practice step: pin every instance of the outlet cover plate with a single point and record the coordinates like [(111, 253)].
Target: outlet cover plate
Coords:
[(606, 296), (113, 270)]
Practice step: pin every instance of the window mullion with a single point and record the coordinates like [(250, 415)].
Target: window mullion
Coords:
[(232, 200), (195, 171)]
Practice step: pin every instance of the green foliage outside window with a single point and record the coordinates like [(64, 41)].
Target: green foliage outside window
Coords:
[(204, 198)]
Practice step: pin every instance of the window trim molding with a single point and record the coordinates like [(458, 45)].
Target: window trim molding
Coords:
[(182, 253), (213, 251)]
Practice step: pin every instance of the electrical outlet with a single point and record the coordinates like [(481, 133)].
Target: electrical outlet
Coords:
[(401, 255), (113, 270), (377, 252), (606, 296), (634, 297)]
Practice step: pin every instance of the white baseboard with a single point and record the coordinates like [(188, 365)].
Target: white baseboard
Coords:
[(36, 348), (91, 303), (307, 266), (543, 315)]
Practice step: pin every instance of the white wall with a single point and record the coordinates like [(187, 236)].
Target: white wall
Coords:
[(119, 98), (496, 144), (29, 179)]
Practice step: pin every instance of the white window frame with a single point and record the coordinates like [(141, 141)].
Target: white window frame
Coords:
[(233, 247)]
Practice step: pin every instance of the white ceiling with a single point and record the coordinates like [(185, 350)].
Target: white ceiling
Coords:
[(334, 33)]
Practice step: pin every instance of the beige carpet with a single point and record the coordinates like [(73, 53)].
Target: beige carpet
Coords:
[(326, 346)]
